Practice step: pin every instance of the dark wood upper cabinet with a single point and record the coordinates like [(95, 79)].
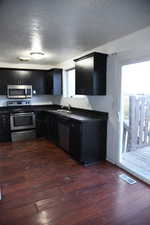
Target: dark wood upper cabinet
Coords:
[(42, 81), (54, 82), (36, 78), (91, 74)]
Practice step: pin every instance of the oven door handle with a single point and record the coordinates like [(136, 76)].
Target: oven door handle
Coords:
[(22, 114)]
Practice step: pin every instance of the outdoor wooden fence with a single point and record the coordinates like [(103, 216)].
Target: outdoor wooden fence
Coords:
[(137, 130)]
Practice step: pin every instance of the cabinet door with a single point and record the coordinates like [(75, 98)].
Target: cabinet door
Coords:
[(49, 83), (75, 140), (16, 77), (38, 82), (52, 131), (84, 73), (3, 84), (41, 124), (91, 74), (19, 77), (93, 141), (8, 77), (54, 82), (4, 127)]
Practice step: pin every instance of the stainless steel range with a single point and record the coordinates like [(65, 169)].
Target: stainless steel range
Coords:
[(22, 124)]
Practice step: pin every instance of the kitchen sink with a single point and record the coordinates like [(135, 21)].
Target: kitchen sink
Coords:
[(64, 111)]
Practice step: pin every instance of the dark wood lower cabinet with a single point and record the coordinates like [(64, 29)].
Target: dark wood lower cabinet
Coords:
[(84, 141), (88, 141), (4, 127), (75, 139), (51, 128), (41, 124)]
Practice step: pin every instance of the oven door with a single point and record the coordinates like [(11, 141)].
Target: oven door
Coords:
[(22, 121)]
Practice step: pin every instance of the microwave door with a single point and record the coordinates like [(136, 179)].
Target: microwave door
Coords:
[(19, 91), (16, 93)]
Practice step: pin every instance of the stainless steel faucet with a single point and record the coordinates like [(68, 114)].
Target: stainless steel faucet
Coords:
[(69, 107)]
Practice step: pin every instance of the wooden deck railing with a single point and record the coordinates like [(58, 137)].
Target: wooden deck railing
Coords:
[(137, 132)]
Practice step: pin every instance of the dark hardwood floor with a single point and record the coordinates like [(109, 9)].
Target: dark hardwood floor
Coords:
[(42, 185)]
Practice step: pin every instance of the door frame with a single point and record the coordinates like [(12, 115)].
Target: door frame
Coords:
[(123, 60)]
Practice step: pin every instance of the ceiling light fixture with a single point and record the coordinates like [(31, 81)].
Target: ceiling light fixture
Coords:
[(37, 55)]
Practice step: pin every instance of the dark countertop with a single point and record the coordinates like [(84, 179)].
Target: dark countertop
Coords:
[(27, 108), (76, 114)]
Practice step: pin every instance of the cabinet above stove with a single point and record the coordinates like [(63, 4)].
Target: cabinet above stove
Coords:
[(43, 81)]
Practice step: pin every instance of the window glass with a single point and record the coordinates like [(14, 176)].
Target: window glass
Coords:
[(70, 84)]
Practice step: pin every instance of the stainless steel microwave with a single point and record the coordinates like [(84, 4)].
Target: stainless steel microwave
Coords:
[(19, 91)]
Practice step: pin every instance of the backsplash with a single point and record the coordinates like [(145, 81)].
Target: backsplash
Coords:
[(36, 100), (41, 100), (3, 100), (98, 103)]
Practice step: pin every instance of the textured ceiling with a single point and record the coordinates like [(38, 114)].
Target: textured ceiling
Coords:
[(65, 28)]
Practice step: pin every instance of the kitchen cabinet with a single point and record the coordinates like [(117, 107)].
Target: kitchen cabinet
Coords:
[(41, 122), (75, 139), (51, 127), (36, 78), (54, 82), (4, 127), (63, 125), (84, 140), (90, 72), (88, 141)]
